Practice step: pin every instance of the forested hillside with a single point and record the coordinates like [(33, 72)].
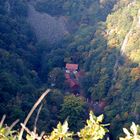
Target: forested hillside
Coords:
[(17, 76), (100, 36)]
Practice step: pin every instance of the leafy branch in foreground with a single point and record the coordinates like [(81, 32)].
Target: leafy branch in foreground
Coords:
[(6, 132), (93, 130), (133, 134), (31, 112), (61, 132)]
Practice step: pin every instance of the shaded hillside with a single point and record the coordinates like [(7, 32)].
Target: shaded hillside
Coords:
[(46, 26), (17, 72)]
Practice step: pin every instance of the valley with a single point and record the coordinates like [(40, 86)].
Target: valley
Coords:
[(40, 41)]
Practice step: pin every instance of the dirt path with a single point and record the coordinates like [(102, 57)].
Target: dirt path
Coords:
[(136, 21), (124, 44)]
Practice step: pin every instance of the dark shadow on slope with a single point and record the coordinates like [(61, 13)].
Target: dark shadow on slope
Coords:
[(47, 27)]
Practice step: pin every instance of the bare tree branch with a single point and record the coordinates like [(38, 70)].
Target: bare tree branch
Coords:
[(37, 116), (2, 120), (31, 112)]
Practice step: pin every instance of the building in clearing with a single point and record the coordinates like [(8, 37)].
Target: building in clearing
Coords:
[(71, 75), (72, 67)]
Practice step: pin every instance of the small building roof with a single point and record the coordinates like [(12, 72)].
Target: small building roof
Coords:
[(71, 66), (73, 83), (67, 76)]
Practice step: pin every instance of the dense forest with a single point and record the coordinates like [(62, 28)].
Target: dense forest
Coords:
[(37, 40)]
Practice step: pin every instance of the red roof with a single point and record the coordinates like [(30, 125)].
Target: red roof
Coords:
[(72, 66), (67, 76), (72, 83)]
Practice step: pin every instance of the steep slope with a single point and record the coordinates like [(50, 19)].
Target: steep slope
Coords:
[(45, 26), (123, 32), (121, 35)]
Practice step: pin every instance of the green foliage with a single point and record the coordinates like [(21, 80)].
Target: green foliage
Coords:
[(61, 132), (6, 132), (124, 87), (133, 134), (56, 77), (94, 130), (27, 64), (75, 109), (6, 135), (16, 61), (19, 8), (119, 26), (80, 11), (52, 7)]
